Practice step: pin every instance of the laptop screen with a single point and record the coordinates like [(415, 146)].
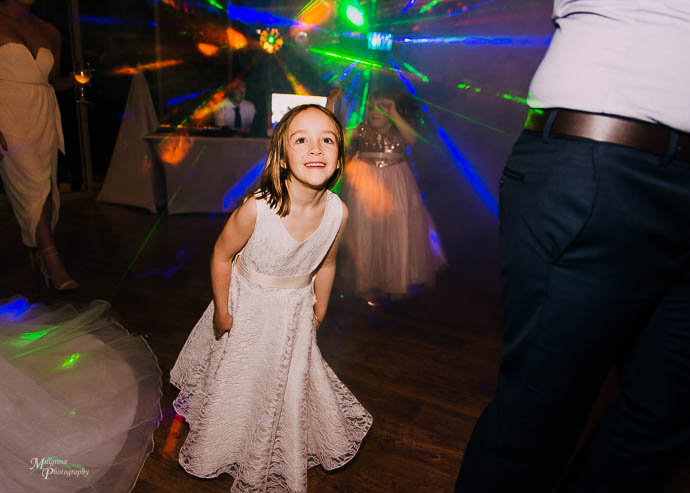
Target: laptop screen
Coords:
[(282, 103)]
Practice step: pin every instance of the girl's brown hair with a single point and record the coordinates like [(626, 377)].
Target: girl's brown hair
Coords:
[(272, 183)]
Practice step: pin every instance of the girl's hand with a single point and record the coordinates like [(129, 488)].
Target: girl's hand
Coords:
[(3, 144), (317, 321), (386, 106), (221, 324)]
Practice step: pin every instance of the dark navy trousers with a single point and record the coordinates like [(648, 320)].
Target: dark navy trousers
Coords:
[(595, 246)]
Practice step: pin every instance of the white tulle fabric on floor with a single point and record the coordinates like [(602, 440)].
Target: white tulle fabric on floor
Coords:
[(79, 399), (133, 178)]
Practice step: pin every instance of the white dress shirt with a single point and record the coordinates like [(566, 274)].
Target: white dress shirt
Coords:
[(225, 116), (621, 57)]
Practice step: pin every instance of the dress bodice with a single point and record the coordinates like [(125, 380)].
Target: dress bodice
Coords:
[(29, 111), (19, 65), (271, 250), (368, 139)]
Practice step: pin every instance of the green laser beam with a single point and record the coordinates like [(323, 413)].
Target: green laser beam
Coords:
[(155, 226), (350, 58), (517, 99), (416, 72), (353, 119), (71, 361), (201, 104), (215, 4), (465, 117), (356, 118), (507, 96), (429, 6), (365, 95), (306, 8)]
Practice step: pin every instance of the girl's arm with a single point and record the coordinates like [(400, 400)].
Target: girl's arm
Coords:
[(408, 133), (232, 239), (388, 108), (326, 273), (332, 97)]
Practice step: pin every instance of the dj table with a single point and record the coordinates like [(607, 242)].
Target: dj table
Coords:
[(207, 174)]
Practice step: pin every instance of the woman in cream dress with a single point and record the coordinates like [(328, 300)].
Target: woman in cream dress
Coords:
[(31, 131)]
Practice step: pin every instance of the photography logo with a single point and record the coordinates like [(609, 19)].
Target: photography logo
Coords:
[(53, 466)]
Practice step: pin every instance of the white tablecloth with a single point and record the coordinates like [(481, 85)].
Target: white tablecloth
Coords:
[(207, 174), (132, 178)]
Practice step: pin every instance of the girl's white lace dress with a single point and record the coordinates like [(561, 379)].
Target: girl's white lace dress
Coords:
[(261, 403)]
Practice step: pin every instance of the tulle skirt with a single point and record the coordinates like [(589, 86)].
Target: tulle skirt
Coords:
[(79, 399), (391, 243)]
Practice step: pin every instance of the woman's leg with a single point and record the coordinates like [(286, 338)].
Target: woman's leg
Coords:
[(48, 250)]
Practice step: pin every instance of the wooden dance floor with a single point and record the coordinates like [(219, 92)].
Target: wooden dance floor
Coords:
[(424, 368)]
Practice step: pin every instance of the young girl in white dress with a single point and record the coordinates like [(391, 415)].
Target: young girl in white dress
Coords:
[(261, 403), (392, 243)]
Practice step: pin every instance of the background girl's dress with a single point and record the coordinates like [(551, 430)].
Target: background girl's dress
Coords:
[(391, 241), (30, 122), (79, 400), (261, 403)]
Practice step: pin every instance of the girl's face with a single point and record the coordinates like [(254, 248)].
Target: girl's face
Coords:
[(376, 118), (312, 148)]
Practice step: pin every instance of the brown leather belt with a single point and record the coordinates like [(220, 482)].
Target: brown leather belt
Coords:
[(639, 135)]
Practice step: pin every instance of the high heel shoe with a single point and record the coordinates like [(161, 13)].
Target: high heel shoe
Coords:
[(42, 255)]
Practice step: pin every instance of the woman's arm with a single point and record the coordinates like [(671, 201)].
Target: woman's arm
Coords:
[(326, 273), (59, 82), (3, 144), (232, 239), (56, 47)]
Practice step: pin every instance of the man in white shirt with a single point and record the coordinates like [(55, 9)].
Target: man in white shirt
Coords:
[(236, 112), (595, 247)]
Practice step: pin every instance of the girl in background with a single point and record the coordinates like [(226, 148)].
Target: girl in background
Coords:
[(392, 242), (261, 403)]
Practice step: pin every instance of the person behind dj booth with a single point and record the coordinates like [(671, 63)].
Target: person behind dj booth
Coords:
[(235, 112)]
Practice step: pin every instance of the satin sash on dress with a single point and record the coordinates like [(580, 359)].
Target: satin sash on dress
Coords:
[(267, 281), (382, 159)]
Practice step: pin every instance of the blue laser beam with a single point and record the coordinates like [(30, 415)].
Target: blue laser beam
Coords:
[(14, 309), (257, 17), (465, 167), (408, 6), (186, 97), (241, 187), (404, 79), (524, 42), (347, 71), (460, 161)]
